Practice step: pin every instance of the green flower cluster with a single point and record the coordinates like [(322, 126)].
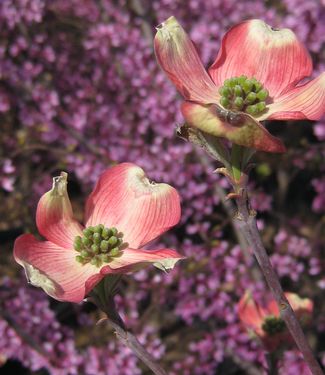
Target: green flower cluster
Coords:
[(243, 94), (98, 245), (273, 325)]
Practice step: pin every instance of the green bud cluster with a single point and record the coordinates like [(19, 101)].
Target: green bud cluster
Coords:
[(273, 325), (98, 245), (243, 94)]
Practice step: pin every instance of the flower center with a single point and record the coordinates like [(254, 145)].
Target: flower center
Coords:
[(99, 245), (273, 325), (243, 94)]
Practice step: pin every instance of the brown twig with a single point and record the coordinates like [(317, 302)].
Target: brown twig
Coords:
[(247, 222)]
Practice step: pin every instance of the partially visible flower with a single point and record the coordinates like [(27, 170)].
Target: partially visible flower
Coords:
[(124, 212), (265, 321), (257, 75)]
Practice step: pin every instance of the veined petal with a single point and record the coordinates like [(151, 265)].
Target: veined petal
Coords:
[(54, 216), (274, 57), (250, 314), (54, 269), (177, 56), (303, 102), (132, 260), (124, 198), (249, 133)]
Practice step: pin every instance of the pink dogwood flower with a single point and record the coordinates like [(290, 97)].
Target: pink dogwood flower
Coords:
[(124, 212), (258, 75), (265, 321)]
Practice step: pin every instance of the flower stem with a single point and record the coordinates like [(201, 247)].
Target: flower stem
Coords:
[(129, 340), (236, 159), (247, 222), (103, 297), (272, 360)]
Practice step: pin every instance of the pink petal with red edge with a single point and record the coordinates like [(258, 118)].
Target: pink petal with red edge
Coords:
[(275, 57), (250, 314), (250, 133), (133, 259), (178, 57), (125, 198), (54, 216), (304, 102), (273, 308), (55, 269)]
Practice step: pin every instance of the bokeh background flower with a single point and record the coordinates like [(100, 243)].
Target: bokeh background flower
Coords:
[(79, 90)]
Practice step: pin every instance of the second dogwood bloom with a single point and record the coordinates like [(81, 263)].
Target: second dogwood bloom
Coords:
[(124, 212), (257, 75)]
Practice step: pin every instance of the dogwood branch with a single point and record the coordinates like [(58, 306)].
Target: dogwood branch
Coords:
[(247, 222)]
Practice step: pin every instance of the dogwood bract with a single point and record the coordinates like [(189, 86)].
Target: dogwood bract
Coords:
[(258, 75), (124, 212)]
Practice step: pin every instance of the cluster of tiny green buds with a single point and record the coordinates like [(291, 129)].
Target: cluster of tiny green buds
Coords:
[(99, 245), (243, 94), (273, 325)]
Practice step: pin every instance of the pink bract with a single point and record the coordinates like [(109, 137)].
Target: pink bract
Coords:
[(123, 198), (274, 57), (252, 315)]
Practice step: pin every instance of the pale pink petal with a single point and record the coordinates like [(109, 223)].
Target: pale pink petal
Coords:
[(275, 57), (124, 198), (55, 269), (250, 314), (273, 308), (300, 305), (132, 260), (178, 57), (54, 216), (250, 133), (304, 102)]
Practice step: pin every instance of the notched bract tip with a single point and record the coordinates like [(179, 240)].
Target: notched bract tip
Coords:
[(167, 28), (60, 184)]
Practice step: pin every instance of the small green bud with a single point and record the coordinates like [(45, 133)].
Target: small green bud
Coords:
[(242, 79), (98, 228), (252, 109), (225, 91), (104, 246), (94, 261), (112, 241), (79, 259), (227, 83), (106, 233), (77, 244), (260, 107), (238, 90), (262, 94), (233, 81), (257, 85), (85, 254), (88, 232), (114, 252), (86, 241), (224, 102), (105, 258), (114, 231), (97, 238), (250, 98), (95, 248), (239, 102), (247, 86)]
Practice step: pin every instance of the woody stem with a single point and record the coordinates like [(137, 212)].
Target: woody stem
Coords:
[(247, 222)]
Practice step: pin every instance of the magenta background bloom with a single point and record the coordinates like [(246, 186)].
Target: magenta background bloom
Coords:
[(79, 90)]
